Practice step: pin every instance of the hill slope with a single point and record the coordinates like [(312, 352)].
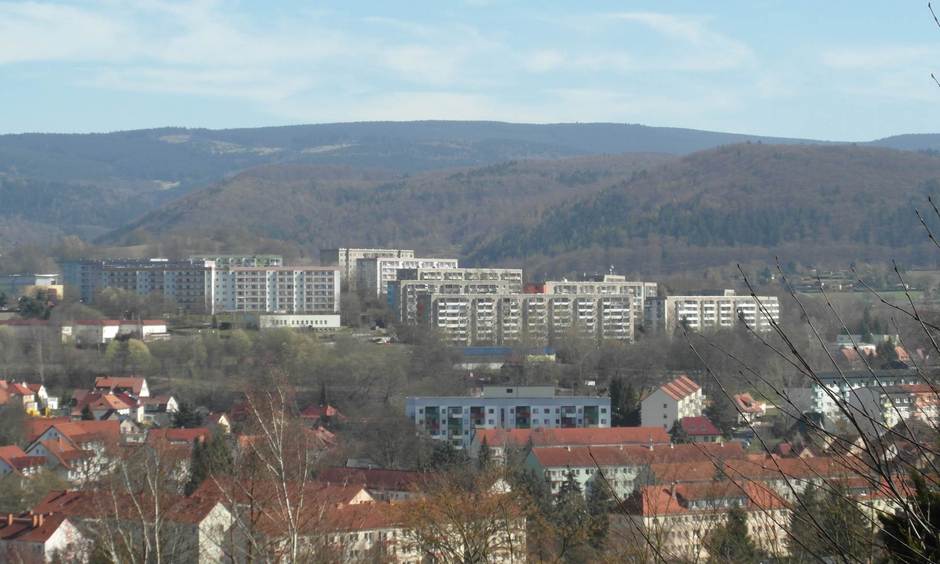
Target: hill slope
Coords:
[(315, 206), (836, 203)]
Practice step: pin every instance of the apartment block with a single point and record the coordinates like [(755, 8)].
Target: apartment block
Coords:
[(190, 283), (346, 260), (702, 313), (404, 292), (609, 285), (374, 274), (455, 418), (17, 285), (507, 318), (835, 389), (281, 289), (228, 261)]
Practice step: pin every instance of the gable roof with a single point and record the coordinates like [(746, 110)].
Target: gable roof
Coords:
[(91, 504), (17, 459), (680, 388), (178, 435), (30, 527), (699, 427), (133, 383), (573, 437), (675, 499), (747, 404), (373, 478)]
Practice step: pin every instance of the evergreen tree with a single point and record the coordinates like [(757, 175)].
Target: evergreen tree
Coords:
[(324, 401), (485, 456), (600, 503), (730, 542), (445, 456), (722, 413), (87, 415), (839, 528), (678, 434), (624, 404), (210, 458), (573, 523), (186, 417), (908, 540)]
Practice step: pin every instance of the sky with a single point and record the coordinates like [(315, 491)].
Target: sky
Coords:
[(821, 69)]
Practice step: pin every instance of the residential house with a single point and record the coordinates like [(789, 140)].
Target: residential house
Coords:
[(19, 393), (382, 484), (195, 528), (749, 409), (882, 408), (159, 410), (316, 415), (218, 422), (700, 429), (671, 402), (79, 451), (41, 537), (107, 406), (833, 391), (499, 441), (14, 460), (132, 385)]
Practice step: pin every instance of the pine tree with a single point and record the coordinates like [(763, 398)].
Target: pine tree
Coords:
[(485, 457), (210, 458), (678, 434), (87, 415), (910, 540), (730, 542), (324, 401), (571, 519), (600, 503)]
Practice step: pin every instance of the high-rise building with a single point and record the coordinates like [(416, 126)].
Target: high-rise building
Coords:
[(374, 274), (403, 293), (190, 283), (228, 261), (608, 285), (278, 289), (346, 259)]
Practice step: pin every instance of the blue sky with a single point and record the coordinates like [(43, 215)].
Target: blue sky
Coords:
[(820, 69)]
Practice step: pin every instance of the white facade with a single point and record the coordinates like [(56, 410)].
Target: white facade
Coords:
[(284, 289), (323, 322), (454, 418), (374, 274), (609, 286), (671, 402), (700, 313), (840, 387), (346, 260)]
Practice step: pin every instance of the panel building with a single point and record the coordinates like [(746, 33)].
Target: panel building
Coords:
[(700, 313), (374, 274), (455, 418), (190, 283), (228, 261), (278, 289), (403, 293), (346, 260)]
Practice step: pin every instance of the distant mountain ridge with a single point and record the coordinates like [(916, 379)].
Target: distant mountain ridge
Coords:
[(91, 184)]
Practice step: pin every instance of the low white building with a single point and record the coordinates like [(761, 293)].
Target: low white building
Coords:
[(702, 313), (92, 332), (671, 402), (317, 322)]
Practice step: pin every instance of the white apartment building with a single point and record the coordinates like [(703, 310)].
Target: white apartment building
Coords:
[(455, 418), (671, 402), (282, 289), (508, 318), (835, 388), (374, 274), (404, 292), (228, 261), (701, 313), (346, 260), (610, 285)]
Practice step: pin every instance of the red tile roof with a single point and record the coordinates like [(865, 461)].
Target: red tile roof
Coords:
[(680, 388), (585, 457), (660, 500), (573, 437), (699, 427), (178, 435), (133, 383), (18, 459), (373, 478), (87, 503), (747, 404), (29, 527), (320, 412)]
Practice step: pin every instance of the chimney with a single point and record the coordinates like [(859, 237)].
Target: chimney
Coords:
[(568, 448), (672, 445), (9, 519), (672, 489), (39, 519)]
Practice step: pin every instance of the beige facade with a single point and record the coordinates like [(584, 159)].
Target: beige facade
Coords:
[(702, 313), (284, 289), (346, 259), (374, 274)]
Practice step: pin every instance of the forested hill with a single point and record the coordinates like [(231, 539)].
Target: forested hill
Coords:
[(318, 205), (738, 203), (88, 184)]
